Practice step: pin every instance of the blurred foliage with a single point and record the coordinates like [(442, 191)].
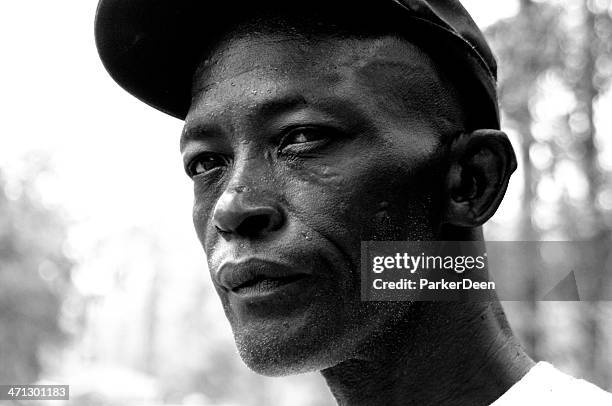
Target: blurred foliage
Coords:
[(555, 70), (34, 276)]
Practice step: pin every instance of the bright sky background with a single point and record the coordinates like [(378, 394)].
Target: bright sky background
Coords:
[(115, 161)]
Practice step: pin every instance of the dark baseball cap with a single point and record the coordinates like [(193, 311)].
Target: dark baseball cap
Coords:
[(152, 48)]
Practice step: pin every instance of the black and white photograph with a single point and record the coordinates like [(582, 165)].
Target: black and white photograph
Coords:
[(313, 203)]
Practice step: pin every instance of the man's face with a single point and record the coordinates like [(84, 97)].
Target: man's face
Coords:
[(299, 150)]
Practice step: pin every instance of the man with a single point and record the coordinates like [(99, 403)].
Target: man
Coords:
[(310, 128)]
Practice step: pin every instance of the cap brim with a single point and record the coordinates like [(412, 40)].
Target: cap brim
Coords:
[(145, 47)]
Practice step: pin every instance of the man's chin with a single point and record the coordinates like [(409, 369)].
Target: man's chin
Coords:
[(287, 347), (273, 364), (316, 339)]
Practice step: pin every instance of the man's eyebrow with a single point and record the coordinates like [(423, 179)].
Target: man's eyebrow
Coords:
[(264, 110), (196, 131), (280, 105)]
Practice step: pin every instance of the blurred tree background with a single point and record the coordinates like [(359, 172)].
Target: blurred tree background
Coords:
[(127, 315), (34, 276), (555, 67)]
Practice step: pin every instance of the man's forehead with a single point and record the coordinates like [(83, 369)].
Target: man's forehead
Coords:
[(253, 72), (281, 56)]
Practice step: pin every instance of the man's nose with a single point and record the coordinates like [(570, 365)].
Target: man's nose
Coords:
[(241, 213)]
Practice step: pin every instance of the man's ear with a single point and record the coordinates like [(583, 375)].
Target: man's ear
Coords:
[(479, 171)]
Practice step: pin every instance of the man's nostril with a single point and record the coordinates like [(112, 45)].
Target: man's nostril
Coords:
[(220, 230), (254, 225)]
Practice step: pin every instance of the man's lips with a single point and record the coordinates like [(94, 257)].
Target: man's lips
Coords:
[(255, 275)]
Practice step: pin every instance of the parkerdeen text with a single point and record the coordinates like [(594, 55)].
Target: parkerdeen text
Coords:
[(425, 284)]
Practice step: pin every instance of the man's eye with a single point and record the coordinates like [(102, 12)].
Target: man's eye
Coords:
[(304, 139), (303, 135), (205, 163)]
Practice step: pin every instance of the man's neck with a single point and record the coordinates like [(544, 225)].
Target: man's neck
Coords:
[(442, 354)]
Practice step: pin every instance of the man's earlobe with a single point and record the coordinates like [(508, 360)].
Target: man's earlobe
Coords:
[(478, 175)]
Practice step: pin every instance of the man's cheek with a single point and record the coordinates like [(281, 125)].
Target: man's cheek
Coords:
[(340, 210), (367, 204), (202, 213)]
